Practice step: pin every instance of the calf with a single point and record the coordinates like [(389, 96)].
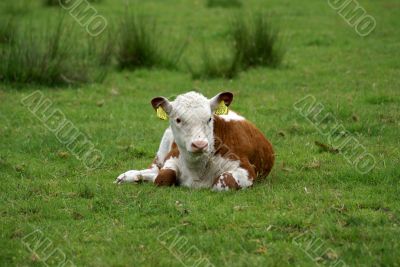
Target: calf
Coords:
[(206, 145)]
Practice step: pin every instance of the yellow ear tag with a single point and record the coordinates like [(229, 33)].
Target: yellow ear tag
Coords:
[(161, 113), (222, 109)]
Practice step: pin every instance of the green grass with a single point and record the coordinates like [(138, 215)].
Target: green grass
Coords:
[(15, 8), (224, 3), (252, 42), (51, 56), (95, 223), (256, 42), (140, 45), (7, 30), (215, 66), (57, 2)]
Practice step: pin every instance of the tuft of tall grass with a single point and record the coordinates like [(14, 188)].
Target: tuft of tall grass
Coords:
[(7, 30), (53, 57), (103, 51), (226, 66), (256, 42), (140, 45), (65, 2), (224, 3)]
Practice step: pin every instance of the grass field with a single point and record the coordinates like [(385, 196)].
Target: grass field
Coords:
[(312, 195)]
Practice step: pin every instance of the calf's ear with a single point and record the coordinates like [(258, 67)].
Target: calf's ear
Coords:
[(162, 107), (220, 103)]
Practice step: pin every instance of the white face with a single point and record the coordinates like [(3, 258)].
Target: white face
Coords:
[(191, 121)]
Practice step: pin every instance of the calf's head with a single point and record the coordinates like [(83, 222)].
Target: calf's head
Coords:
[(191, 119)]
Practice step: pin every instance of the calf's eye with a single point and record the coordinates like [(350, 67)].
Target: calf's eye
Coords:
[(209, 120), (178, 120)]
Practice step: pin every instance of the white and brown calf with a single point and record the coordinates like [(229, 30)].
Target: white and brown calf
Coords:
[(201, 149)]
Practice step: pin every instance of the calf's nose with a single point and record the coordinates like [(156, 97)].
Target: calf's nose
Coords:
[(199, 144)]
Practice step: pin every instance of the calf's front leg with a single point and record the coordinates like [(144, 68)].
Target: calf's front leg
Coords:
[(133, 176)]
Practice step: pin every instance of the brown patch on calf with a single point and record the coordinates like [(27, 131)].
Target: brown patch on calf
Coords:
[(166, 177), (173, 153), (251, 169), (226, 180), (241, 140)]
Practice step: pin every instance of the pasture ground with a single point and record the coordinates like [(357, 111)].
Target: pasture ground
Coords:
[(310, 195)]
